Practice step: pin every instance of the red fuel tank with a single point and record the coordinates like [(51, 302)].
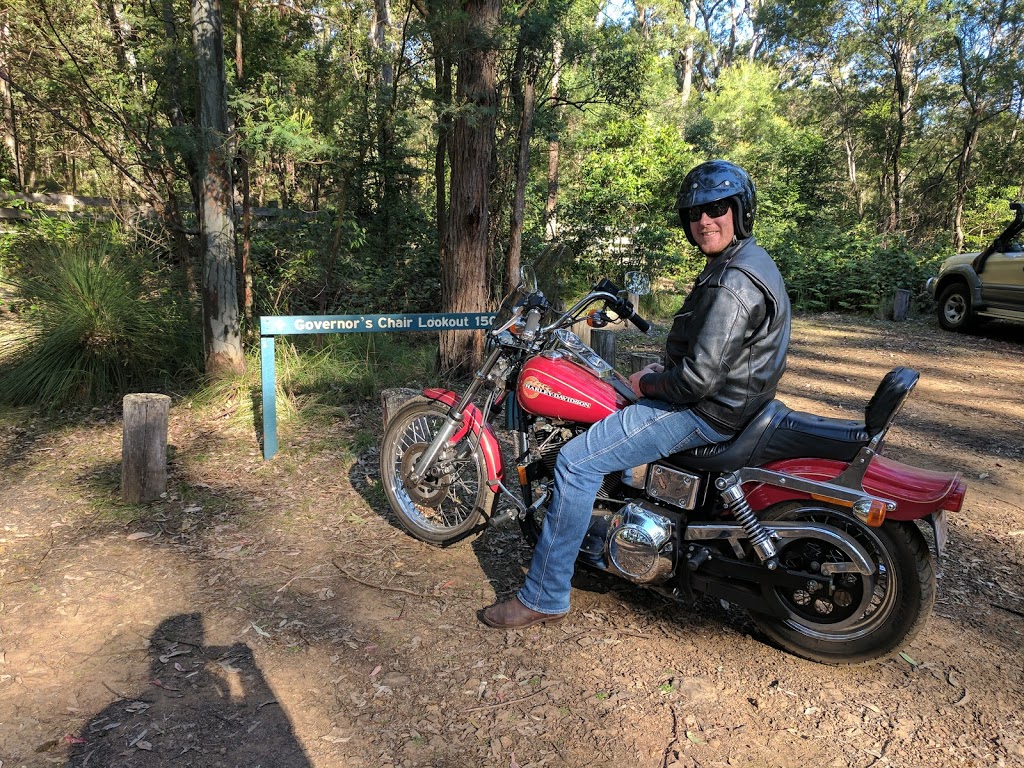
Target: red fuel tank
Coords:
[(560, 389)]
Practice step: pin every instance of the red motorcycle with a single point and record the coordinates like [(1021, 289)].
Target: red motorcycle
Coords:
[(797, 518)]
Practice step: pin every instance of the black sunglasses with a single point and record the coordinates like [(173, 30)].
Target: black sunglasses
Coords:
[(713, 210)]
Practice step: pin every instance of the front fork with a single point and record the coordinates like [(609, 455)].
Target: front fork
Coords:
[(454, 421)]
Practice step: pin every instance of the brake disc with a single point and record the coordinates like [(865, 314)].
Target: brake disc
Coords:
[(434, 486)]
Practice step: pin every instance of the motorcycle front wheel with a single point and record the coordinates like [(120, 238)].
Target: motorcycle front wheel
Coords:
[(862, 617), (451, 499)]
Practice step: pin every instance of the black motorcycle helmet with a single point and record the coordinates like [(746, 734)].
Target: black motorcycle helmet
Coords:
[(716, 180)]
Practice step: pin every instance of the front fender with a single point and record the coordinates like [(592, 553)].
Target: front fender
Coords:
[(961, 272), (473, 419)]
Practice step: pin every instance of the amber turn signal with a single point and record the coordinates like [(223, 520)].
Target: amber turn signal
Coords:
[(871, 511)]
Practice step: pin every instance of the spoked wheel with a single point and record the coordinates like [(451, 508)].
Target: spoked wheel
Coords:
[(859, 617), (451, 498)]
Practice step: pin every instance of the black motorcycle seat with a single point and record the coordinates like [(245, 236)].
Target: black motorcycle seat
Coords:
[(778, 432)]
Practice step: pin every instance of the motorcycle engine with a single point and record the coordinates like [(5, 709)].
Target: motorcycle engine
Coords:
[(641, 543)]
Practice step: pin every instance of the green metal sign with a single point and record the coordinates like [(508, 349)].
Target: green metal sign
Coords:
[(285, 325)]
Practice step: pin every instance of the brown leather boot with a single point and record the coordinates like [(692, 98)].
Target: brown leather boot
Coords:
[(512, 614)]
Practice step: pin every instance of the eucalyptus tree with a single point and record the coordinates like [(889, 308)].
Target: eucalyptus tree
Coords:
[(222, 340), (879, 54), (987, 35)]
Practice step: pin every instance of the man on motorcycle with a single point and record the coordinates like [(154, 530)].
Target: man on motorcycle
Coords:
[(724, 356)]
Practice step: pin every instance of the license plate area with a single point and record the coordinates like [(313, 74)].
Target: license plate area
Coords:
[(940, 526)]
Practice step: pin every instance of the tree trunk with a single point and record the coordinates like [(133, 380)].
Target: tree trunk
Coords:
[(688, 60), (244, 265), (464, 254), (901, 55), (963, 175), (551, 204), (221, 337), (443, 96), (524, 89)]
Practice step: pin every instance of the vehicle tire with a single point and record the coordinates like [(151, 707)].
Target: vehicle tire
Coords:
[(954, 311), (450, 501), (863, 617)]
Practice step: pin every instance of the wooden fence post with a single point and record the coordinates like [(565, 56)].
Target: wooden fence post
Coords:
[(144, 447), (901, 304), (640, 360), (603, 342), (393, 399)]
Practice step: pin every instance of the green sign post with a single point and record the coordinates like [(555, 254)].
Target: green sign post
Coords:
[(285, 325)]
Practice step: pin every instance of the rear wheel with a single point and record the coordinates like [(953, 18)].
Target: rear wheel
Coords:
[(450, 500), (861, 617)]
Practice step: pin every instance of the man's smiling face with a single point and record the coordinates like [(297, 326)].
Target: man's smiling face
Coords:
[(713, 235)]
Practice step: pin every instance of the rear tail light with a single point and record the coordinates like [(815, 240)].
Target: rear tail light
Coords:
[(955, 498)]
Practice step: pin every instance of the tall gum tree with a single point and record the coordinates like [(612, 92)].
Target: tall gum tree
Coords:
[(464, 252), (222, 338)]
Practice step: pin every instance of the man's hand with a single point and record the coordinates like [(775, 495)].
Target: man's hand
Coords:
[(634, 379)]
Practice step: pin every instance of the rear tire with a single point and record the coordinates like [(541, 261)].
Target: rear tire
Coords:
[(447, 504), (865, 617)]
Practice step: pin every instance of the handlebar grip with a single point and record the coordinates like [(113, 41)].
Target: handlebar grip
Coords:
[(532, 324), (625, 310), (640, 323)]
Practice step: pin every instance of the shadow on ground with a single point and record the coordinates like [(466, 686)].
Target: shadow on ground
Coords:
[(198, 705)]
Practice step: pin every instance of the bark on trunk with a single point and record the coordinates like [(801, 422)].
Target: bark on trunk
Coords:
[(221, 332), (524, 88), (554, 150), (464, 254), (443, 91), (244, 265), (691, 20)]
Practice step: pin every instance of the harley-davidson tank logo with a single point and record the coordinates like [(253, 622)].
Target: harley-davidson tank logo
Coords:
[(533, 387)]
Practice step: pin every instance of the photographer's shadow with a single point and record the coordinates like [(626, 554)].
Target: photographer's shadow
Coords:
[(200, 706)]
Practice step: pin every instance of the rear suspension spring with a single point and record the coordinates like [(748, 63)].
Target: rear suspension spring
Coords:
[(736, 502)]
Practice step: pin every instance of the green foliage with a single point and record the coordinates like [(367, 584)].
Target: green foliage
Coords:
[(98, 324), (850, 268), (340, 368)]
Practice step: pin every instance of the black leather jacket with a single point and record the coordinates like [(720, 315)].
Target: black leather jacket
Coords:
[(727, 348)]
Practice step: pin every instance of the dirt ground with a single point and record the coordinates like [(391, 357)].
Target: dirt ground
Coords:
[(270, 613)]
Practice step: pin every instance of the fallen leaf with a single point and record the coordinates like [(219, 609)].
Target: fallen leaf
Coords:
[(693, 737), (69, 739), (906, 657), (145, 745), (139, 535), (259, 631), (375, 672), (168, 656)]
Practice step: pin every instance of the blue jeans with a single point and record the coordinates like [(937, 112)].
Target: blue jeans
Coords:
[(638, 434)]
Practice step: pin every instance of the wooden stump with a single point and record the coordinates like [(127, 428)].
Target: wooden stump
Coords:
[(901, 304), (640, 360), (144, 447), (603, 342), (393, 399), (583, 331)]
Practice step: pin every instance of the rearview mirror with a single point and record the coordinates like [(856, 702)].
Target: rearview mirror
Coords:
[(638, 283)]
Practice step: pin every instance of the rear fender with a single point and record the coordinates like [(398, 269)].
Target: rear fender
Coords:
[(472, 418), (918, 493)]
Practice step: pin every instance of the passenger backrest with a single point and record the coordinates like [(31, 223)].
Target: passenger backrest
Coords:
[(888, 398)]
